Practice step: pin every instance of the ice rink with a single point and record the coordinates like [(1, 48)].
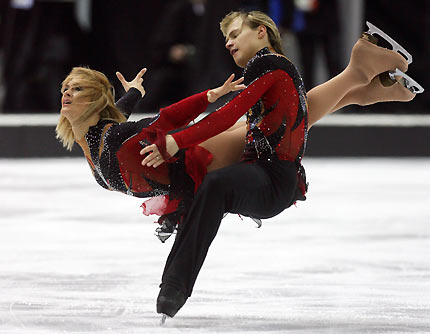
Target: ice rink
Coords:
[(353, 258)]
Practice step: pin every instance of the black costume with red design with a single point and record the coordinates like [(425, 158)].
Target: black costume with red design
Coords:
[(275, 106), (276, 111), (116, 162), (269, 178)]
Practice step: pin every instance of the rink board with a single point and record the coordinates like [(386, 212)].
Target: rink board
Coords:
[(336, 135)]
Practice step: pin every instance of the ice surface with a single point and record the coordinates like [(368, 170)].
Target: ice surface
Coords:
[(353, 258)]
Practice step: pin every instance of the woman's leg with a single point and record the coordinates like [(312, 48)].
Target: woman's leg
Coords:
[(375, 92), (367, 62), (226, 148)]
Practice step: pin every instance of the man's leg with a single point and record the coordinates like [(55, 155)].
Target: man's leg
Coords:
[(242, 188)]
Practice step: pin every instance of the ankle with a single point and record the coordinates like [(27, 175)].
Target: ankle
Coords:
[(355, 77)]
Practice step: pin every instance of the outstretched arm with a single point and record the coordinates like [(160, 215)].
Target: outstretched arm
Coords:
[(217, 122), (134, 90), (227, 116), (180, 114)]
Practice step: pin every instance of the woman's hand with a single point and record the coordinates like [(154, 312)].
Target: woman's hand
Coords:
[(135, 83), (228, 86), (154, 157)]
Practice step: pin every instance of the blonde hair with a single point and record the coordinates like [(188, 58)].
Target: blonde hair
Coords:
[(97, 87), (253, 19)]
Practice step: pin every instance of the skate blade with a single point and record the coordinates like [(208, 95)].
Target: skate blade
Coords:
[(163, 319), (406, 81), (396, 46), (163, 236), (257, 221)]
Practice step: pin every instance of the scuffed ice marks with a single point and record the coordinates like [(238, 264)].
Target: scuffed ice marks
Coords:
[(69, 303), (341, 263)]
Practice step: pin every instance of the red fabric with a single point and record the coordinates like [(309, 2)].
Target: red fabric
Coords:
[(159, 205), (131, 168), (129, 158), (171, 117), (181, 113), (197, 159), (275, 88), (159, 139)]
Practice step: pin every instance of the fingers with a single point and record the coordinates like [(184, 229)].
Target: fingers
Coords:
[(149, 148), (229, 79), (154, 158), (236, 85), (141, 73), (121, 78), (239, 87), (158, 162), (238, 81)]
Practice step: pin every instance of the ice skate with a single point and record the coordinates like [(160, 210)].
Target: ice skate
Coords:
[(167, 226), (369, 60), (169, 302), (375, 92), (370, 36), (163, 319), (257, 221), (406, 81), (164, 232)]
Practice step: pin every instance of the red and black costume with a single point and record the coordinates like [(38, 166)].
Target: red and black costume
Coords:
[(116, 162), (269, 178)]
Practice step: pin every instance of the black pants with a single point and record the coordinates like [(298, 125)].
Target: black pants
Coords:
[(261, 190)]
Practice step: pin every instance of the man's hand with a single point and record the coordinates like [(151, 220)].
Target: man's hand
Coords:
[(154, 157), (135, 83), (228, 86)]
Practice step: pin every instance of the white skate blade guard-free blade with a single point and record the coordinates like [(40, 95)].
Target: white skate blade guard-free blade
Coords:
[(406, 81), (396, 46)]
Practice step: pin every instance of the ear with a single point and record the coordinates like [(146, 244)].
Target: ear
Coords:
[(262, 31)]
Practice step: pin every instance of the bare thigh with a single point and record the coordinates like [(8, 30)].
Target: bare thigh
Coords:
[(226, 148)]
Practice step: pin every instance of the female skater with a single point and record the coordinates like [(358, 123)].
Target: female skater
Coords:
[(269, 177), (111, 145)]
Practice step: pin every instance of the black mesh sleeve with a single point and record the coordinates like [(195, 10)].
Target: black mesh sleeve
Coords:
[(127, 103)]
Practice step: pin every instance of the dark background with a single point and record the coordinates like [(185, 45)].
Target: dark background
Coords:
[(40, 44)]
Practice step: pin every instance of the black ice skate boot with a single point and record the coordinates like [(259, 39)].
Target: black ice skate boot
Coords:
[(169, 302)]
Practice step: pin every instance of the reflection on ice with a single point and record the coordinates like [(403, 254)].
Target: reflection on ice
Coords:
[(351, 259)]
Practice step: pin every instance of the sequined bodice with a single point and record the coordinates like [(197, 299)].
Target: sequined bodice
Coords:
[(114, 148), (104, 141)]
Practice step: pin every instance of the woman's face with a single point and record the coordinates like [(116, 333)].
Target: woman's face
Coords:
[(73, 104), (242, 41)]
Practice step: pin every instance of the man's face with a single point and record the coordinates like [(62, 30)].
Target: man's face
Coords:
[(242, 42)]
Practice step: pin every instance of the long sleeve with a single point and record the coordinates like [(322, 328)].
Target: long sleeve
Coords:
[(227, 116), (127, 103), (181, 113)]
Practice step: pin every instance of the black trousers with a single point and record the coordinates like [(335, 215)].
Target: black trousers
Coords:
[(261, 190)]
